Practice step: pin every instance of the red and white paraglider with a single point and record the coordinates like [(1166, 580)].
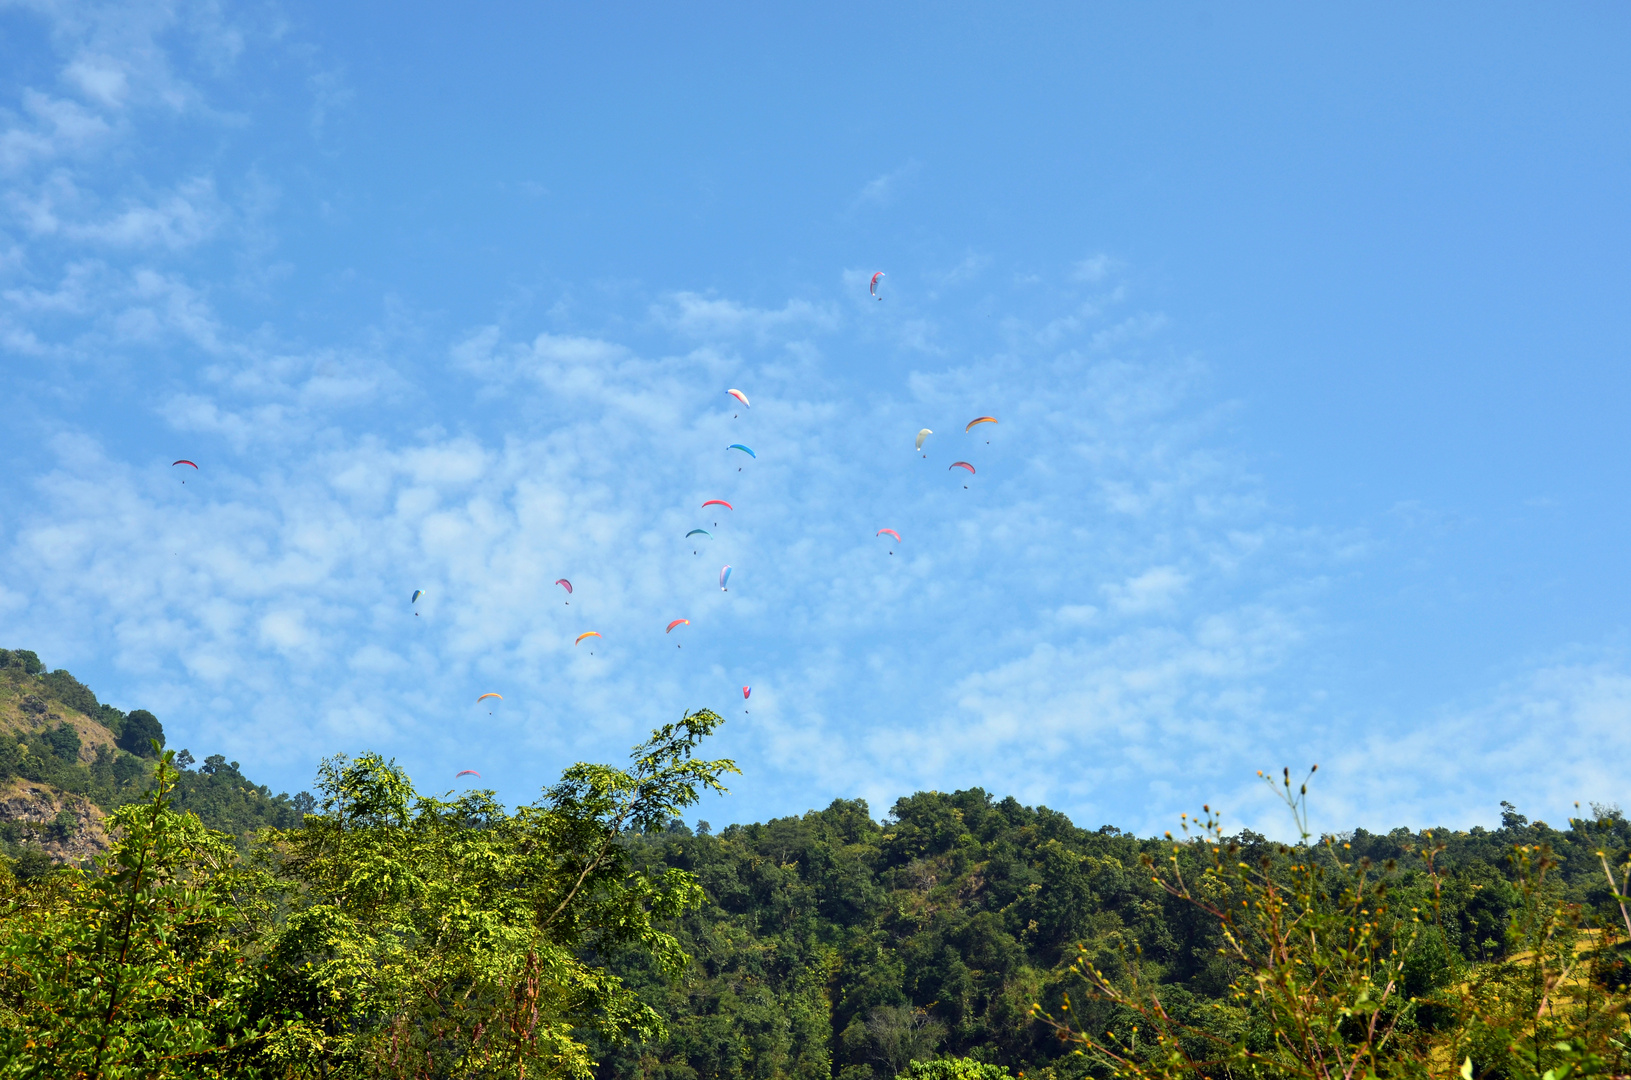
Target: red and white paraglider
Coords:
[(875, 278)]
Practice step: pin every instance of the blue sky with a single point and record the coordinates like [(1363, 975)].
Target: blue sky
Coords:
[(1305, 328)]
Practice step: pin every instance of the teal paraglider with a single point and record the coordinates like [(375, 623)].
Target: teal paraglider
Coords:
[(745, 450)]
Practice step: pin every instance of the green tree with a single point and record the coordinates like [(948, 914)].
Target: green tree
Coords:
[(139, 731), (134, 970), (454, 939)]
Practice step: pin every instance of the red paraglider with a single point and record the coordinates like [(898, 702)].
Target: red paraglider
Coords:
[(718, 502), (567, 585), (183, 461), (960, 464), (875, 278), (467, 772)]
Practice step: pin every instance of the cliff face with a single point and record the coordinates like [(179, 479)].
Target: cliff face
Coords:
[(66, 827)]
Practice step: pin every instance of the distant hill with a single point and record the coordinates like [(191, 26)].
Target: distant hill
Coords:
[(67, 760)]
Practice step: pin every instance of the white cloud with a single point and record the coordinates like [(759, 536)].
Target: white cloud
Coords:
[(698, 316), (1154, 590), (883, 189)]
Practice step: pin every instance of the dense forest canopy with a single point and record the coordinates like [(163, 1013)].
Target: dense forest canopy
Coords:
[(372, 930)]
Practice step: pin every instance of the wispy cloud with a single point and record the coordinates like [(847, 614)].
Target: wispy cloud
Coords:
[(884, 189)]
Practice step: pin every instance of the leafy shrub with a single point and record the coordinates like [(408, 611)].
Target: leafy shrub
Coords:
[(955, 1068), (63, 741)]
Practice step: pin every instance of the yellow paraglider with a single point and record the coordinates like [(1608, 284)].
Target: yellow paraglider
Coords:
[(484, 697), (586, 633)]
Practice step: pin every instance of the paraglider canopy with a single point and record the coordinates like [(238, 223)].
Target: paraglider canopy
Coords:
[(704, 532), (739, 396), (417, 593), (565, 584), (745, 692), (484, 697), (980, 420), (718, 502), (467, 772), (924, 434), (745, 450), (183, 461), (875, 278), (724, 576), (889, 532), (677, 622), (586, 633), (960, 465)]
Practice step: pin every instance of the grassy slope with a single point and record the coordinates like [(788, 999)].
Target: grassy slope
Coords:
[(56, 787)]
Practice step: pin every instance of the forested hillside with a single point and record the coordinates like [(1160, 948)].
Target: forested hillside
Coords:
[(607, 938), (67, 760), (835, 945)]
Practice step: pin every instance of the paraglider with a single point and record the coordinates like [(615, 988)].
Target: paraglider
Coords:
[(980, 420), (724, 576), (484, 697), (183, 461), (875, 278), (924, 434), (717, 502), (965, 465), (739, 396), (567, 585), (695, 532), (417, 593), (467, 772), (745, 693), (586, 633), (745, 450), (677, 622), (889, 532)]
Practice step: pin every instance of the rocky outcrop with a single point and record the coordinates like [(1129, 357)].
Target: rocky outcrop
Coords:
[(66, 827)]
